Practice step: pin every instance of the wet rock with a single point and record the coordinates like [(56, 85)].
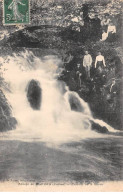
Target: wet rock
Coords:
[(75, 104), (7, 122), (96, 127), (12, 122), (34, 94)]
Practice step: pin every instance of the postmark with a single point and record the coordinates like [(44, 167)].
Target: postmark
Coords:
[(16, 12)]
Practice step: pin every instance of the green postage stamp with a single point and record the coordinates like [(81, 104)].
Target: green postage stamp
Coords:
[(16, 12)]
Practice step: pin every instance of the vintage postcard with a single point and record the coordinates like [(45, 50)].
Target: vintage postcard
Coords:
[(61, 95)]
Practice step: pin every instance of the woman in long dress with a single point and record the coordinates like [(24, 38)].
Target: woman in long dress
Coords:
[(100, 63), (14, 7)]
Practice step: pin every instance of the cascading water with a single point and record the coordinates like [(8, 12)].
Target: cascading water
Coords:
[(63, 115)]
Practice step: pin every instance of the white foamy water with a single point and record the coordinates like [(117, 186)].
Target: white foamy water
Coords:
[(55, 122)]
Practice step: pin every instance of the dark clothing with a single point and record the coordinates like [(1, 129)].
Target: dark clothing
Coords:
[(111, 93), (100, 64), (111, 37), (96, 27), (71, 65), (75, 78), (100, 67)]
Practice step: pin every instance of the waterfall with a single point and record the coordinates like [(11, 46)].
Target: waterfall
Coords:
[(63, 116)]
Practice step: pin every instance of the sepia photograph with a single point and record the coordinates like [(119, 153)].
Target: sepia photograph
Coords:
[(61, 95)]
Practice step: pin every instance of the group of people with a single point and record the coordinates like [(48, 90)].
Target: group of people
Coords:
[(99, 63), (108, 29), (84, 69), (89, 70)]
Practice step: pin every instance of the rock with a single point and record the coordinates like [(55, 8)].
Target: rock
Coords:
[(96, 127), (75, 103), (34, 94), (7, 122), (12, 122), (3, 124)]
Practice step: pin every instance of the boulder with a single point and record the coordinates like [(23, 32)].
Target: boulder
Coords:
[(34, 94), (7, 121), (96, 127)]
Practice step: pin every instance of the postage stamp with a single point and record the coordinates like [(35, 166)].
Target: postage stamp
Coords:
[(16, 12)]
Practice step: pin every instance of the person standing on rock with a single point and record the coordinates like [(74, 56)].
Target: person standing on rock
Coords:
[(87, 62), (100, 63)]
